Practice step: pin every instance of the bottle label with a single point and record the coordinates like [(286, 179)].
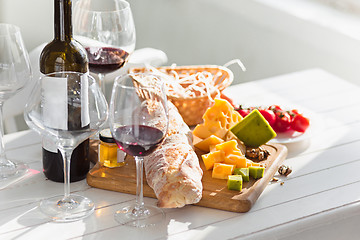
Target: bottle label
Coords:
[(55, 100)]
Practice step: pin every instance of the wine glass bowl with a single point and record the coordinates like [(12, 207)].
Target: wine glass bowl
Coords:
[(84, 99), (139, 121), (106, 29), (15, 72)]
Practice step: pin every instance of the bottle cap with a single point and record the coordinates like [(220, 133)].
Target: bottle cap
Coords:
[(105, 136)]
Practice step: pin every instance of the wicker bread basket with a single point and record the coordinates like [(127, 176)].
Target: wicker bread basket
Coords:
[(193, 108)]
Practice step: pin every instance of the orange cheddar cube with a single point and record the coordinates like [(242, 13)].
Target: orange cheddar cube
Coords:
[(204, 145), (202, 131), (211, 158), (222, 171), (238, 161), (212, 148), (229, 147)]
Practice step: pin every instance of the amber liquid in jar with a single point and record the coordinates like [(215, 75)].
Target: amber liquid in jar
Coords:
[(109, 153)]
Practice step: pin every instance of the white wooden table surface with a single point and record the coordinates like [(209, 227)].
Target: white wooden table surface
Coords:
[(318, 200)]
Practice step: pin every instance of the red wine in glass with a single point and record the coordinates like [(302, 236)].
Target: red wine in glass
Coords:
[(106, 59), (138, 140)]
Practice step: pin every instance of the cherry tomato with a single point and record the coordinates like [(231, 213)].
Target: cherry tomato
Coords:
[(282, 122), (269, 115), (275, 108), (243, 112), (300, 123)]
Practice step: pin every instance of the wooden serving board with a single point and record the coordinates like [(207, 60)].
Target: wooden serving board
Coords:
[(215, 192)]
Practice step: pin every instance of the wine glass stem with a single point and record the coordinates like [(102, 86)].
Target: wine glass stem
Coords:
[(139, 183), (66, 154), (3, 160), (102, 82)]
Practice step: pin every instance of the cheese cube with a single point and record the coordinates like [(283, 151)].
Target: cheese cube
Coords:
[(237, 160), (218, 119), (256, 172), (244, 172), (211, 158), (253, 130), (222, 171), (204, 145), (212, 148), (235, 182), (229, 147)]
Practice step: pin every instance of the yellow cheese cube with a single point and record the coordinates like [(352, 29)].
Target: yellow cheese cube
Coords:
[(204, 145), (237, 160), (201, 131), (222, 171), (229, 147), (211, 158), (212, 148)]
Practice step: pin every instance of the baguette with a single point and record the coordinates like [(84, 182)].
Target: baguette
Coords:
[(173, 169)]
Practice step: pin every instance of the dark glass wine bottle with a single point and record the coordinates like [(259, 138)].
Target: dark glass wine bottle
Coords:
[(64, 53)]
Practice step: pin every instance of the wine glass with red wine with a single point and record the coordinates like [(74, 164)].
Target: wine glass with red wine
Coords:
[(107, 31), (139, 121), (84, 100)]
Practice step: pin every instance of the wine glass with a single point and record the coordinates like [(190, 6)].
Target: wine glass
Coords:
[(83, 97), (15, 71), (139, 121), (107, 31)]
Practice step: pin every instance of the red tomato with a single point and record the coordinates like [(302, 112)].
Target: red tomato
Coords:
[(300, 123), (269, 115), (243, 112), (282, 122), (275, 108)]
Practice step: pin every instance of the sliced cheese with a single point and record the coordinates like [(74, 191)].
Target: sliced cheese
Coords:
[(205, 144)]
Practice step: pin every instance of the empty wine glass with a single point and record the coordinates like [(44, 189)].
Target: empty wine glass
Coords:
[(107, 31), (139, 121), (15, 72), (84, 98)]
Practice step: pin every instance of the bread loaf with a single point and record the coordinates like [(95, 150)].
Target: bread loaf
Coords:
[(173, 170)]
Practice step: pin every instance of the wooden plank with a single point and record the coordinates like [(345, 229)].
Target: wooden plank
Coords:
[(215, 192)]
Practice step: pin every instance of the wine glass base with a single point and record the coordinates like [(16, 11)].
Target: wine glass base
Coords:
[(149, 216), (73, 208), (10, 170)]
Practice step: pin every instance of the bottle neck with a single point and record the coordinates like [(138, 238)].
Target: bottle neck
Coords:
[(62, 20)]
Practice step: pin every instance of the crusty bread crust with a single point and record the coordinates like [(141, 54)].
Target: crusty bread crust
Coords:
[(173, 170)]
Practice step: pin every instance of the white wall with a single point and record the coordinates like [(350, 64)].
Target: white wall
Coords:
[(34, 17), (269, 39)]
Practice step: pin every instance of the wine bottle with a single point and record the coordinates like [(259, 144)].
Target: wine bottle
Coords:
[(64, 53)]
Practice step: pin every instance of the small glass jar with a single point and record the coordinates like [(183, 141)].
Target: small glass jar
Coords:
[(109, 153)]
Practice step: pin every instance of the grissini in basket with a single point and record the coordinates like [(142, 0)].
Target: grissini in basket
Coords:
[(173, 169), (192, 88)]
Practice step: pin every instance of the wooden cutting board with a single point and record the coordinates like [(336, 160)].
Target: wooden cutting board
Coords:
[(215, 192)]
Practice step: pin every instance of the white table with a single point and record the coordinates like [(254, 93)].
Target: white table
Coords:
[(318, 200)]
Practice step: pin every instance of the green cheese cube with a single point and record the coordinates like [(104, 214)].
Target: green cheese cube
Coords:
[(253, 130), (235, 182), (244, 172), (256, 172)]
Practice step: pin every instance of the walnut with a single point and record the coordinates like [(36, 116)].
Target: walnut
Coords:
[(284, 170), (257, 153)]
